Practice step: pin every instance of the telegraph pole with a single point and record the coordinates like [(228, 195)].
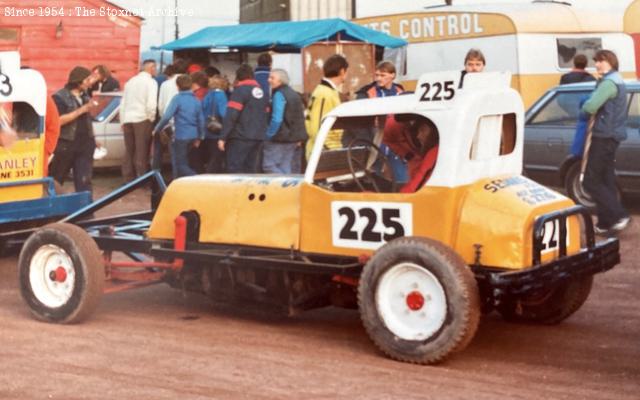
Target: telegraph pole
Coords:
[(176, 20)]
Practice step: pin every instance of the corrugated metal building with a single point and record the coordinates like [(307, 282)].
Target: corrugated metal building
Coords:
[(294, 10), (54, 36)]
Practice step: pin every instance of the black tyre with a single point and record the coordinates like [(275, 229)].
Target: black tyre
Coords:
[(61, 273), (576, 191), (549, 306), (418, 300), (574, 188)]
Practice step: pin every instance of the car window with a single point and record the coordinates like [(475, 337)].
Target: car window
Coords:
[(495, 136), (379, 153), (104, 106), (561, 110), (634, 111)]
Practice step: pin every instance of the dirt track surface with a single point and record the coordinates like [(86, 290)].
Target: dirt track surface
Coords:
[(158, 343)]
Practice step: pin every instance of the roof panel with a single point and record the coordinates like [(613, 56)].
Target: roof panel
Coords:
[(281, 36)]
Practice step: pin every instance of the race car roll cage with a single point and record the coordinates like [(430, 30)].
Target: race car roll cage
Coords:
[(154, 261)]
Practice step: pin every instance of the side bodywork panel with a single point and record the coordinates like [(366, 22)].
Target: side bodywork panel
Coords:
[(497, 214), (246, 210), (22, 162)]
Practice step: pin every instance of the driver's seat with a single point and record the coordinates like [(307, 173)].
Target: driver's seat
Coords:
[(421, 176)]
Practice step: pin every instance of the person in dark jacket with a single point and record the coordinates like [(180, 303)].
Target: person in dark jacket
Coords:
[(286, 133), (608, 105), (262, 73), (76, 143), (382, 86), (214, 104), (245, 123), (105, 82), (578, 73), (186, 111)]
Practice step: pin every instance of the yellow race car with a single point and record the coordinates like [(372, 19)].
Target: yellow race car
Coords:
[(27, 196), (422, 221)]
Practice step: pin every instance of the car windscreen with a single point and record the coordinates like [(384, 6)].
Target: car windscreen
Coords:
[(104, 106), (562, 109)]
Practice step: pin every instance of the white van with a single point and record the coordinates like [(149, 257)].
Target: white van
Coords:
[(535, 41)]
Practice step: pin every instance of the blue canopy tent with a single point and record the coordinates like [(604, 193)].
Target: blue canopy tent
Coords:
[(283, 37)]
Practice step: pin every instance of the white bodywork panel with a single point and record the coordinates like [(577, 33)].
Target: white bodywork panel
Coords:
[(457, 114), (21, 85)]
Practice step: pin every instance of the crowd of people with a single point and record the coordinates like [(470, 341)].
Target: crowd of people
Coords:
[(260, 124)]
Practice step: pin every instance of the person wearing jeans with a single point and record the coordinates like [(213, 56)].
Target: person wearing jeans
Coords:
[(286, 132), (608, 103), (244, 123), (186, 111), (76, 144)]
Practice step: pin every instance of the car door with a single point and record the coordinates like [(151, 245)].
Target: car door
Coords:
[(627, 165), (108, 130), (549, 133)]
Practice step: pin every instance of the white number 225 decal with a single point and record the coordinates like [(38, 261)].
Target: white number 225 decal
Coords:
[(368, 225), (437, 91)]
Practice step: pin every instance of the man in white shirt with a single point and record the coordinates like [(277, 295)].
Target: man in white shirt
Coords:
[(137, 113)]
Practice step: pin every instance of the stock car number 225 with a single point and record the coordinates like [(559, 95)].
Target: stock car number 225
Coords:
[(368, 225)]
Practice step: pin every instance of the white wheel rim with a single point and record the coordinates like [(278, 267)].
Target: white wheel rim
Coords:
[(411, 301), (52, 276)]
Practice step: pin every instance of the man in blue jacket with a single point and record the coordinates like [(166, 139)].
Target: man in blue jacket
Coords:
[(287, 133), (244, 124), (186, 111)]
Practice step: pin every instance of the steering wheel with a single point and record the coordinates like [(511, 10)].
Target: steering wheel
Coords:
[(356, 165)]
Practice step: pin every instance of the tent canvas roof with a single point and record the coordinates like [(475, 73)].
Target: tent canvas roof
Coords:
[(288, 36)]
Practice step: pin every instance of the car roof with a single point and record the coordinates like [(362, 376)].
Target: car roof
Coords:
[(630, 84), (108, 94)]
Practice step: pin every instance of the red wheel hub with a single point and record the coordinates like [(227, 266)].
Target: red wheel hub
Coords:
[(58, 275), (415, 301)]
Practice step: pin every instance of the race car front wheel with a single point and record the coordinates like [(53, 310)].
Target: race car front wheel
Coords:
[(61, 273), (418, 300)]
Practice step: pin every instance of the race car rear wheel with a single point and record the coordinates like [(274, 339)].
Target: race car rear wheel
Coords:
[(549, 306), (61, 273), (418, 300)]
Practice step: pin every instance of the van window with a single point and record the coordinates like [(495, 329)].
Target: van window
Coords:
[(495, 136), (561, 110), (569, 47)]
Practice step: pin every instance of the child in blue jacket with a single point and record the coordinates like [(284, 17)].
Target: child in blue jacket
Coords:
[(186, 111)]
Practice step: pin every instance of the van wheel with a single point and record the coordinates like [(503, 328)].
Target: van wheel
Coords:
[(549, 306), (61, 273), (418, 300), (574, 187)]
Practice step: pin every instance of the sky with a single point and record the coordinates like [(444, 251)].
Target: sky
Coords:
[(377, 7), (193, 15)]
